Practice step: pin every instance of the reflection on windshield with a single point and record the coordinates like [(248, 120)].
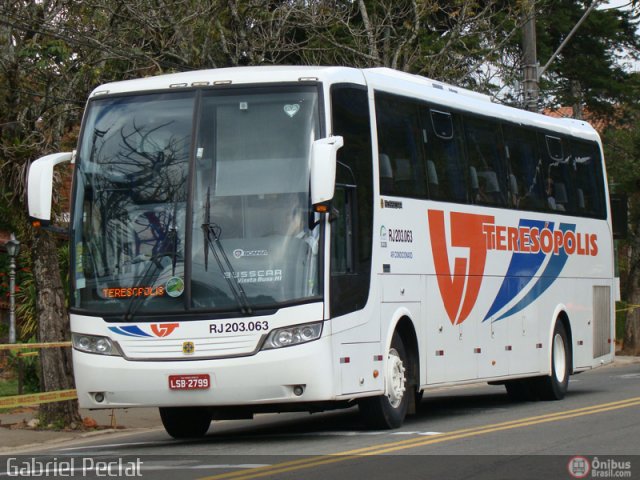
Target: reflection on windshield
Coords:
[(250, 187), (131, 199)]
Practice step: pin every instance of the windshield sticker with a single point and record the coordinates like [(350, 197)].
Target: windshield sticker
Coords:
[(174, 287), (292, 109), (239, 253), (129, 292)]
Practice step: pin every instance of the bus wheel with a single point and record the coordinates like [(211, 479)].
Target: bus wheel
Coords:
[(554, 386), (388, 411), (186, 422), (521, 390)]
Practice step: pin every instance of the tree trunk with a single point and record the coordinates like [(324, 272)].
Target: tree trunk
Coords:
[(53, 326), (631, 341)]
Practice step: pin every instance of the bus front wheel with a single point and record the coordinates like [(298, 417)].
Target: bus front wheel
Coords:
[(389, 410), (186, 422)]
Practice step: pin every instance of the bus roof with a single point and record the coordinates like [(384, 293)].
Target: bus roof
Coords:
[(385, 79)]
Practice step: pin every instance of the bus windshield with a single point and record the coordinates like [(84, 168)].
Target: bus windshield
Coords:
[(177, 211)]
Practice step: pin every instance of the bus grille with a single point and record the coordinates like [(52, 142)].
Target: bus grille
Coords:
[(191, 348)]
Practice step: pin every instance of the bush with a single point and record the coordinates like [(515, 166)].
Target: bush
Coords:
[(30, 370)]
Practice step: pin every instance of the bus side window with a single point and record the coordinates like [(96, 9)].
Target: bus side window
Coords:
[(487, 177), (444, 162), (589, 179), (399, 147), (559, 166), (526, 182)]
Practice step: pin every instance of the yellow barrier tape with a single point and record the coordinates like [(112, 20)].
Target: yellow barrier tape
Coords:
[(37, 398), (628, 308), (26, 346), (28, 354)]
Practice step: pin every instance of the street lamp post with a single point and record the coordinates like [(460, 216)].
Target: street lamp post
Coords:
[(13, 248)]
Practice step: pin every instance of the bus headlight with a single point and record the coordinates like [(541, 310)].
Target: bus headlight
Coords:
[(94, 344), (288, 336)]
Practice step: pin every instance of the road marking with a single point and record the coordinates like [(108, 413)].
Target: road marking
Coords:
[(416, 433), (316, 461), (125, 444)]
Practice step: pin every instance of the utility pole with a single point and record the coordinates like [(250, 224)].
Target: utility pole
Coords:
[(532, 72), (529, 59)]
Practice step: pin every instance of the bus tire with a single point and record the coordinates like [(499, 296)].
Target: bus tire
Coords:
[(389, 410), (554, 386), (186, 422), (520, 390)]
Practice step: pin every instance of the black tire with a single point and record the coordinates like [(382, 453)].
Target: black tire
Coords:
[(186, 422), (388, 411), (521, 390), (554, 386)]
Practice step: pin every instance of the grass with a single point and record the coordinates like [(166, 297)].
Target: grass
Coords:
[(8, 387)]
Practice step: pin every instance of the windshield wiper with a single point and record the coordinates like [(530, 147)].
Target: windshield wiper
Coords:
[(212, 234)]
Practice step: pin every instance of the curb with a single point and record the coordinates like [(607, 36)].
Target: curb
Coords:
[(52, 443)]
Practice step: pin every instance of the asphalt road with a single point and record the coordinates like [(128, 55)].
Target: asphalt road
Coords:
[(463, 432)]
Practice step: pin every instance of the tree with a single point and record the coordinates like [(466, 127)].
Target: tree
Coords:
[(622, 150), (35, 111), (52, 53), (588, 72)]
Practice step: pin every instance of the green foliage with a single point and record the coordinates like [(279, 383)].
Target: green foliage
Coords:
[(621, 317), (8, 387), (30, 366), (587, 70), (26, 314)]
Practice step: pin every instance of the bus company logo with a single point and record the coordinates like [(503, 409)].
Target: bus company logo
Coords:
[(579, 467), (157, 330), (535, 246)]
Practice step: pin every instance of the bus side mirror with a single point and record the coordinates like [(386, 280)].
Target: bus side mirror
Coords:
[(619, 215), (323, 172), (40, 186)]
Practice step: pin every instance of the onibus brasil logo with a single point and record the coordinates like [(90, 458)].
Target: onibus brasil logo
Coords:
[(539, 253)]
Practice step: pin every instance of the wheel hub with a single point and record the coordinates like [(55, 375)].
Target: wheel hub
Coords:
[(559, 358), (396, 383)]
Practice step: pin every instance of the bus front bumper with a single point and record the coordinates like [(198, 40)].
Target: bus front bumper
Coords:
[(268, 377)]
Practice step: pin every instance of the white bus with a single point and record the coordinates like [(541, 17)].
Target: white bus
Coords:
[(273, 239)]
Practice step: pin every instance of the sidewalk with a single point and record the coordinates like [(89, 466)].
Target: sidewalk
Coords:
[(15, 435)]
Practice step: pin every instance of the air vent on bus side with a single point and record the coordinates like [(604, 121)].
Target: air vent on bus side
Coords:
[(601, 321)]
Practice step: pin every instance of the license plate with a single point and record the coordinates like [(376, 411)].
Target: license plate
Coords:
[(200, 381)]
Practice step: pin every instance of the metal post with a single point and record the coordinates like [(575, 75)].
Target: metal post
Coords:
[(529, 60), (12, 299), (13, 248)]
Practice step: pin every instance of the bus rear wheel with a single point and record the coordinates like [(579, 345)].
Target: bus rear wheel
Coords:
[(521, 390), (389, 410), (554, 386), (186, 422)]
